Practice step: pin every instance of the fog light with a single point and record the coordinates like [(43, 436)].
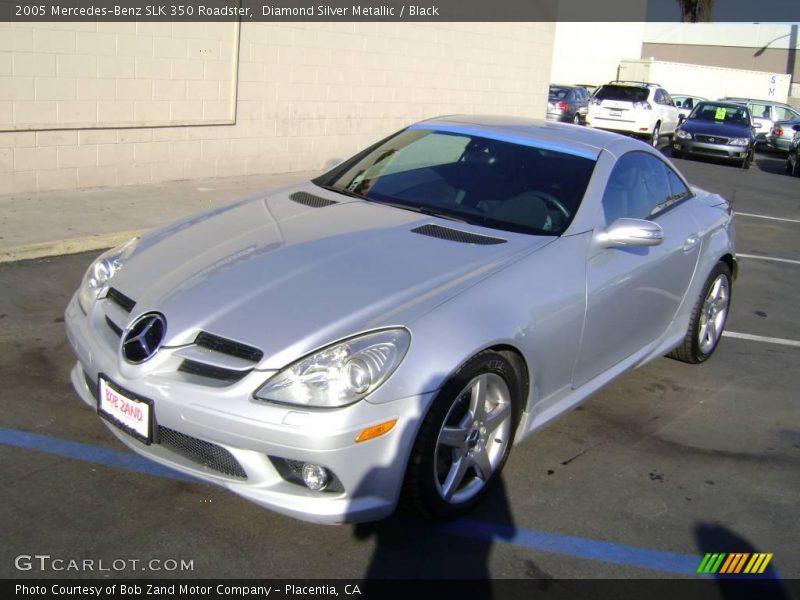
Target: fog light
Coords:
[(315, 477)]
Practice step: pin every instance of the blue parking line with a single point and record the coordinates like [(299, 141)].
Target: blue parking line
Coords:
[(85, 452), (618, 554), (586, 548)]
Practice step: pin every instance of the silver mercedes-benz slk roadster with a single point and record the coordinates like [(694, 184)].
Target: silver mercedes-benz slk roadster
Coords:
[(392, 327)]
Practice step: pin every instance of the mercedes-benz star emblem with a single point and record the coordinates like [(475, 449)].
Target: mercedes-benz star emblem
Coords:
[(143, 338)]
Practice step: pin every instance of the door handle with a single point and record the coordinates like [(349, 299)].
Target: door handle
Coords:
[(691, 242)]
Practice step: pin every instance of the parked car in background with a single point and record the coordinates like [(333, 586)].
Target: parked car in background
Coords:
[(780, 136), (567, 103), (392, 327), (793, 160), (636, 108), (685, 104), (717, 129), (765, 113)]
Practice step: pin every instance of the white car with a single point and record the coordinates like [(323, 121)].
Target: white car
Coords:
[(685, 103), (636, 108)]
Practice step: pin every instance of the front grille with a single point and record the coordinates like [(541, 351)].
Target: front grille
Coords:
[(456, 235), (206, 370), (205, 453), (120, 299), (225, 346), (711, 139), (311, 200), (114, 327)]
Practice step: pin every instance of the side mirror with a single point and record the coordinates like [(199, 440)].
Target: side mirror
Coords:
[(630, 232)]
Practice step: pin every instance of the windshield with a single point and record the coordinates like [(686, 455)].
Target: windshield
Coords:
[(729, 114), (482, 181), (625, 93)]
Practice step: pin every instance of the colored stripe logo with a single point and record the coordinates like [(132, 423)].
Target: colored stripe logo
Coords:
[(734, 563)]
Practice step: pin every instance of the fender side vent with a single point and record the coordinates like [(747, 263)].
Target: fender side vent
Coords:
[(311, 200), (456, 235)]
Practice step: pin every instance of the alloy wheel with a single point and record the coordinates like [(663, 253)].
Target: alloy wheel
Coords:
[(713, 314)]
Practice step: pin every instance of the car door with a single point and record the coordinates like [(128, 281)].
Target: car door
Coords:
[(633, 293), (670, 112), (761, 113)]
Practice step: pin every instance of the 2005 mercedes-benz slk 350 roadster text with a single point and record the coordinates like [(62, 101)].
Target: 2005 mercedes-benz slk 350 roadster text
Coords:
[(395, 325)]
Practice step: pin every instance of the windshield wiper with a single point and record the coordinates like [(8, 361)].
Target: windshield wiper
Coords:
[(336, 190)]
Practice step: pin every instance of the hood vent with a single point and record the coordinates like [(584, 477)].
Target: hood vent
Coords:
[(225, 346), (311, 200), (456, 235)]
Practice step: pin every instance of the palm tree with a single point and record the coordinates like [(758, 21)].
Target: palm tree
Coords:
[(694, 11)]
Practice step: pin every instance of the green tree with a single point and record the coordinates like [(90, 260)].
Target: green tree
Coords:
[(695, 11)]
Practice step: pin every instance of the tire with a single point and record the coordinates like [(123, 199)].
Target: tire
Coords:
[(656, 135), (789, 167), (460, 450), (748, 160), (576, 119), (712, 307), (677, 153)]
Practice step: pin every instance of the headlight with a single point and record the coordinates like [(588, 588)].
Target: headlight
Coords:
[(101, 271), (340, 374), (739, 142), (681, 134)]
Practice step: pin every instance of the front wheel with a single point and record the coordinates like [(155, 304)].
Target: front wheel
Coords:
[(708, 318), (465, 439), (748, 160)]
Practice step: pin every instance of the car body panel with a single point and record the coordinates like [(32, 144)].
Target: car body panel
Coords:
[(780, 136)]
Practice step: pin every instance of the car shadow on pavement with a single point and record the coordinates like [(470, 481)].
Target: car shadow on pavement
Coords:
[(771, 163), (412, 547), (715, 538)]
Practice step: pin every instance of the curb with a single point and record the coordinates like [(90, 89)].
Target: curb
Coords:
[(62, 247)]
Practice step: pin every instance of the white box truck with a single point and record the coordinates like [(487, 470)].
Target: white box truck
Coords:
[(706, 81)]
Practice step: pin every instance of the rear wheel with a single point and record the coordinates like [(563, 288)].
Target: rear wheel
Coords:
[(576, 119), (465, 439), (708, 318), (656, 135)]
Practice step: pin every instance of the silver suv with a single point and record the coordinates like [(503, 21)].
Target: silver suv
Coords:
[(637, 108)]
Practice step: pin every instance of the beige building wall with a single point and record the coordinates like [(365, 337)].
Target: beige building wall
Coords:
[(102, 104)]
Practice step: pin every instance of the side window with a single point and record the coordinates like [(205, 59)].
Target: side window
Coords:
[(637, 188), (785, 114), (760, 111), (659, 97), (688, 103), (677, 188)]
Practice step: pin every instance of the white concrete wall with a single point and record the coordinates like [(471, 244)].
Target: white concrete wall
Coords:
[(591, 52), (99, 104)]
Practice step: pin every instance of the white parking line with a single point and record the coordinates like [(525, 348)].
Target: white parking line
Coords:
[(738, 214), (761, 338), (757, 257)]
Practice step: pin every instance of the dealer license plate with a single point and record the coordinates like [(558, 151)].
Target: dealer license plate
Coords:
[(612, 112), (132, 415)]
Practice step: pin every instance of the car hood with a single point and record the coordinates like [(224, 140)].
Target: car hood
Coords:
[(713, 128), (287, 277)]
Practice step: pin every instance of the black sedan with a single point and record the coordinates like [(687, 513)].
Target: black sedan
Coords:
[(717, 129)]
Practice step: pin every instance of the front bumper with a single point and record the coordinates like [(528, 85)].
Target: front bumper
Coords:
[(722, 151), (228, 421)]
